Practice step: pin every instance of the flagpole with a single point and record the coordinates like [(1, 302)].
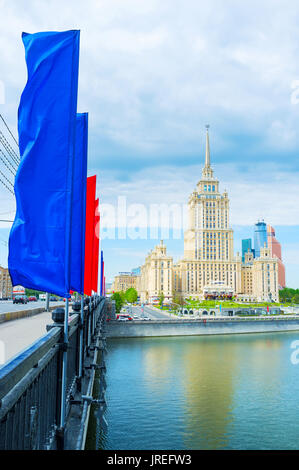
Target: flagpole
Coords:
[(81, 340), (64, 366), (47, 301), (70, 185)]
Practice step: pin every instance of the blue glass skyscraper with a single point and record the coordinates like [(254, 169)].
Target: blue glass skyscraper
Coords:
[(260, 237), (246, 246)]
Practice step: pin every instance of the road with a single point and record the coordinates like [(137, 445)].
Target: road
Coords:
[(151, 312), (8, 306)]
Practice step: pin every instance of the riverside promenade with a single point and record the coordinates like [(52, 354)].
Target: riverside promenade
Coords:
[(202, 326)]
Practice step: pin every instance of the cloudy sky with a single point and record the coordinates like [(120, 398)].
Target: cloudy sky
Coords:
[(152, 74)]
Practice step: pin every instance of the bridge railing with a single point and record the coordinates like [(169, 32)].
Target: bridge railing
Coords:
[(30, 383)]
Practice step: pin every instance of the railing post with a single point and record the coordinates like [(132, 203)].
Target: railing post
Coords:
[(88, 323), (61, 431), (94, 317), (81, 345)]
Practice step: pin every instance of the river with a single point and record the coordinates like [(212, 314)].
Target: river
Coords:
[(200, 392)]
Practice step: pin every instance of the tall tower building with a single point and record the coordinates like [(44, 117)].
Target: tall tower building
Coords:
[(260, 237), (209, 259), (209, 236), (275, 250)]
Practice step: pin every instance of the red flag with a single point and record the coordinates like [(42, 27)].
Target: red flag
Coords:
[(96, 247), (89, 232)]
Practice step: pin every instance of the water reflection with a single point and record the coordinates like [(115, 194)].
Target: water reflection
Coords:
[(208, 367), (201, 393)]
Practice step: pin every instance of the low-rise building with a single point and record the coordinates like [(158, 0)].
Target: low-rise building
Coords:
[(5, 284), (124, 281), (156, 276)]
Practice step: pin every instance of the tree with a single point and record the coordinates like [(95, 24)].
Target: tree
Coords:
[(287, 294), (178, 299), (32, 292), (123, 296), (118, 301), (131, 295), (295, 299), (161, 298)]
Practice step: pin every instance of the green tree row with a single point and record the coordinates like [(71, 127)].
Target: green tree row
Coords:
[(289, 295), (122, 297), (32, 292)]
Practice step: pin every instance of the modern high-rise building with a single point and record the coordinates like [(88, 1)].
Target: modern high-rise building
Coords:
[(275, 250), (209, 263), (260, 237), (246, 247), (136, 271)]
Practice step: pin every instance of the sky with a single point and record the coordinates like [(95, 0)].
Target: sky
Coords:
[(152, 75)]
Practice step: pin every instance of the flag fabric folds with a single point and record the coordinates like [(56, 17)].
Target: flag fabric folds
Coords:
[(39, 242), (79, 204), (96, 242), (89, 233)]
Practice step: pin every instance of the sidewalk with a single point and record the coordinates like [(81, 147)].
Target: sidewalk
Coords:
[(15, 315)]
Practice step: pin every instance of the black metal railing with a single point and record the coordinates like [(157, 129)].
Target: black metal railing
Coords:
[(31, 383)]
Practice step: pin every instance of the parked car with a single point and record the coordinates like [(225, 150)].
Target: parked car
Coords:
[(135, 317), (123, 317), (20, 299), (32, 298), (53, 298), (146, 318)]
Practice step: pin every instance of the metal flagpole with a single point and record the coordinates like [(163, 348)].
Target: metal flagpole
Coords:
[(81, 339), (47, 301), (64, 365)]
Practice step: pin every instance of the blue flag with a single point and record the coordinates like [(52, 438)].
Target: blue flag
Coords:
[(39, 241), (79, 204)]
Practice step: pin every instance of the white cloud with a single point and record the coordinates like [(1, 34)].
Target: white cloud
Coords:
[(262, 191), (152, 69)]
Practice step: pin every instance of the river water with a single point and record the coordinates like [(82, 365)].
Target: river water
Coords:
[(201, 392)]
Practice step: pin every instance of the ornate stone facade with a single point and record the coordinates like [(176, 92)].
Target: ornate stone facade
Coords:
[(209, 258)]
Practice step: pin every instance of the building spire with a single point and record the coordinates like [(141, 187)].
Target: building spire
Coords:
[(208, 160), (207, 171)]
